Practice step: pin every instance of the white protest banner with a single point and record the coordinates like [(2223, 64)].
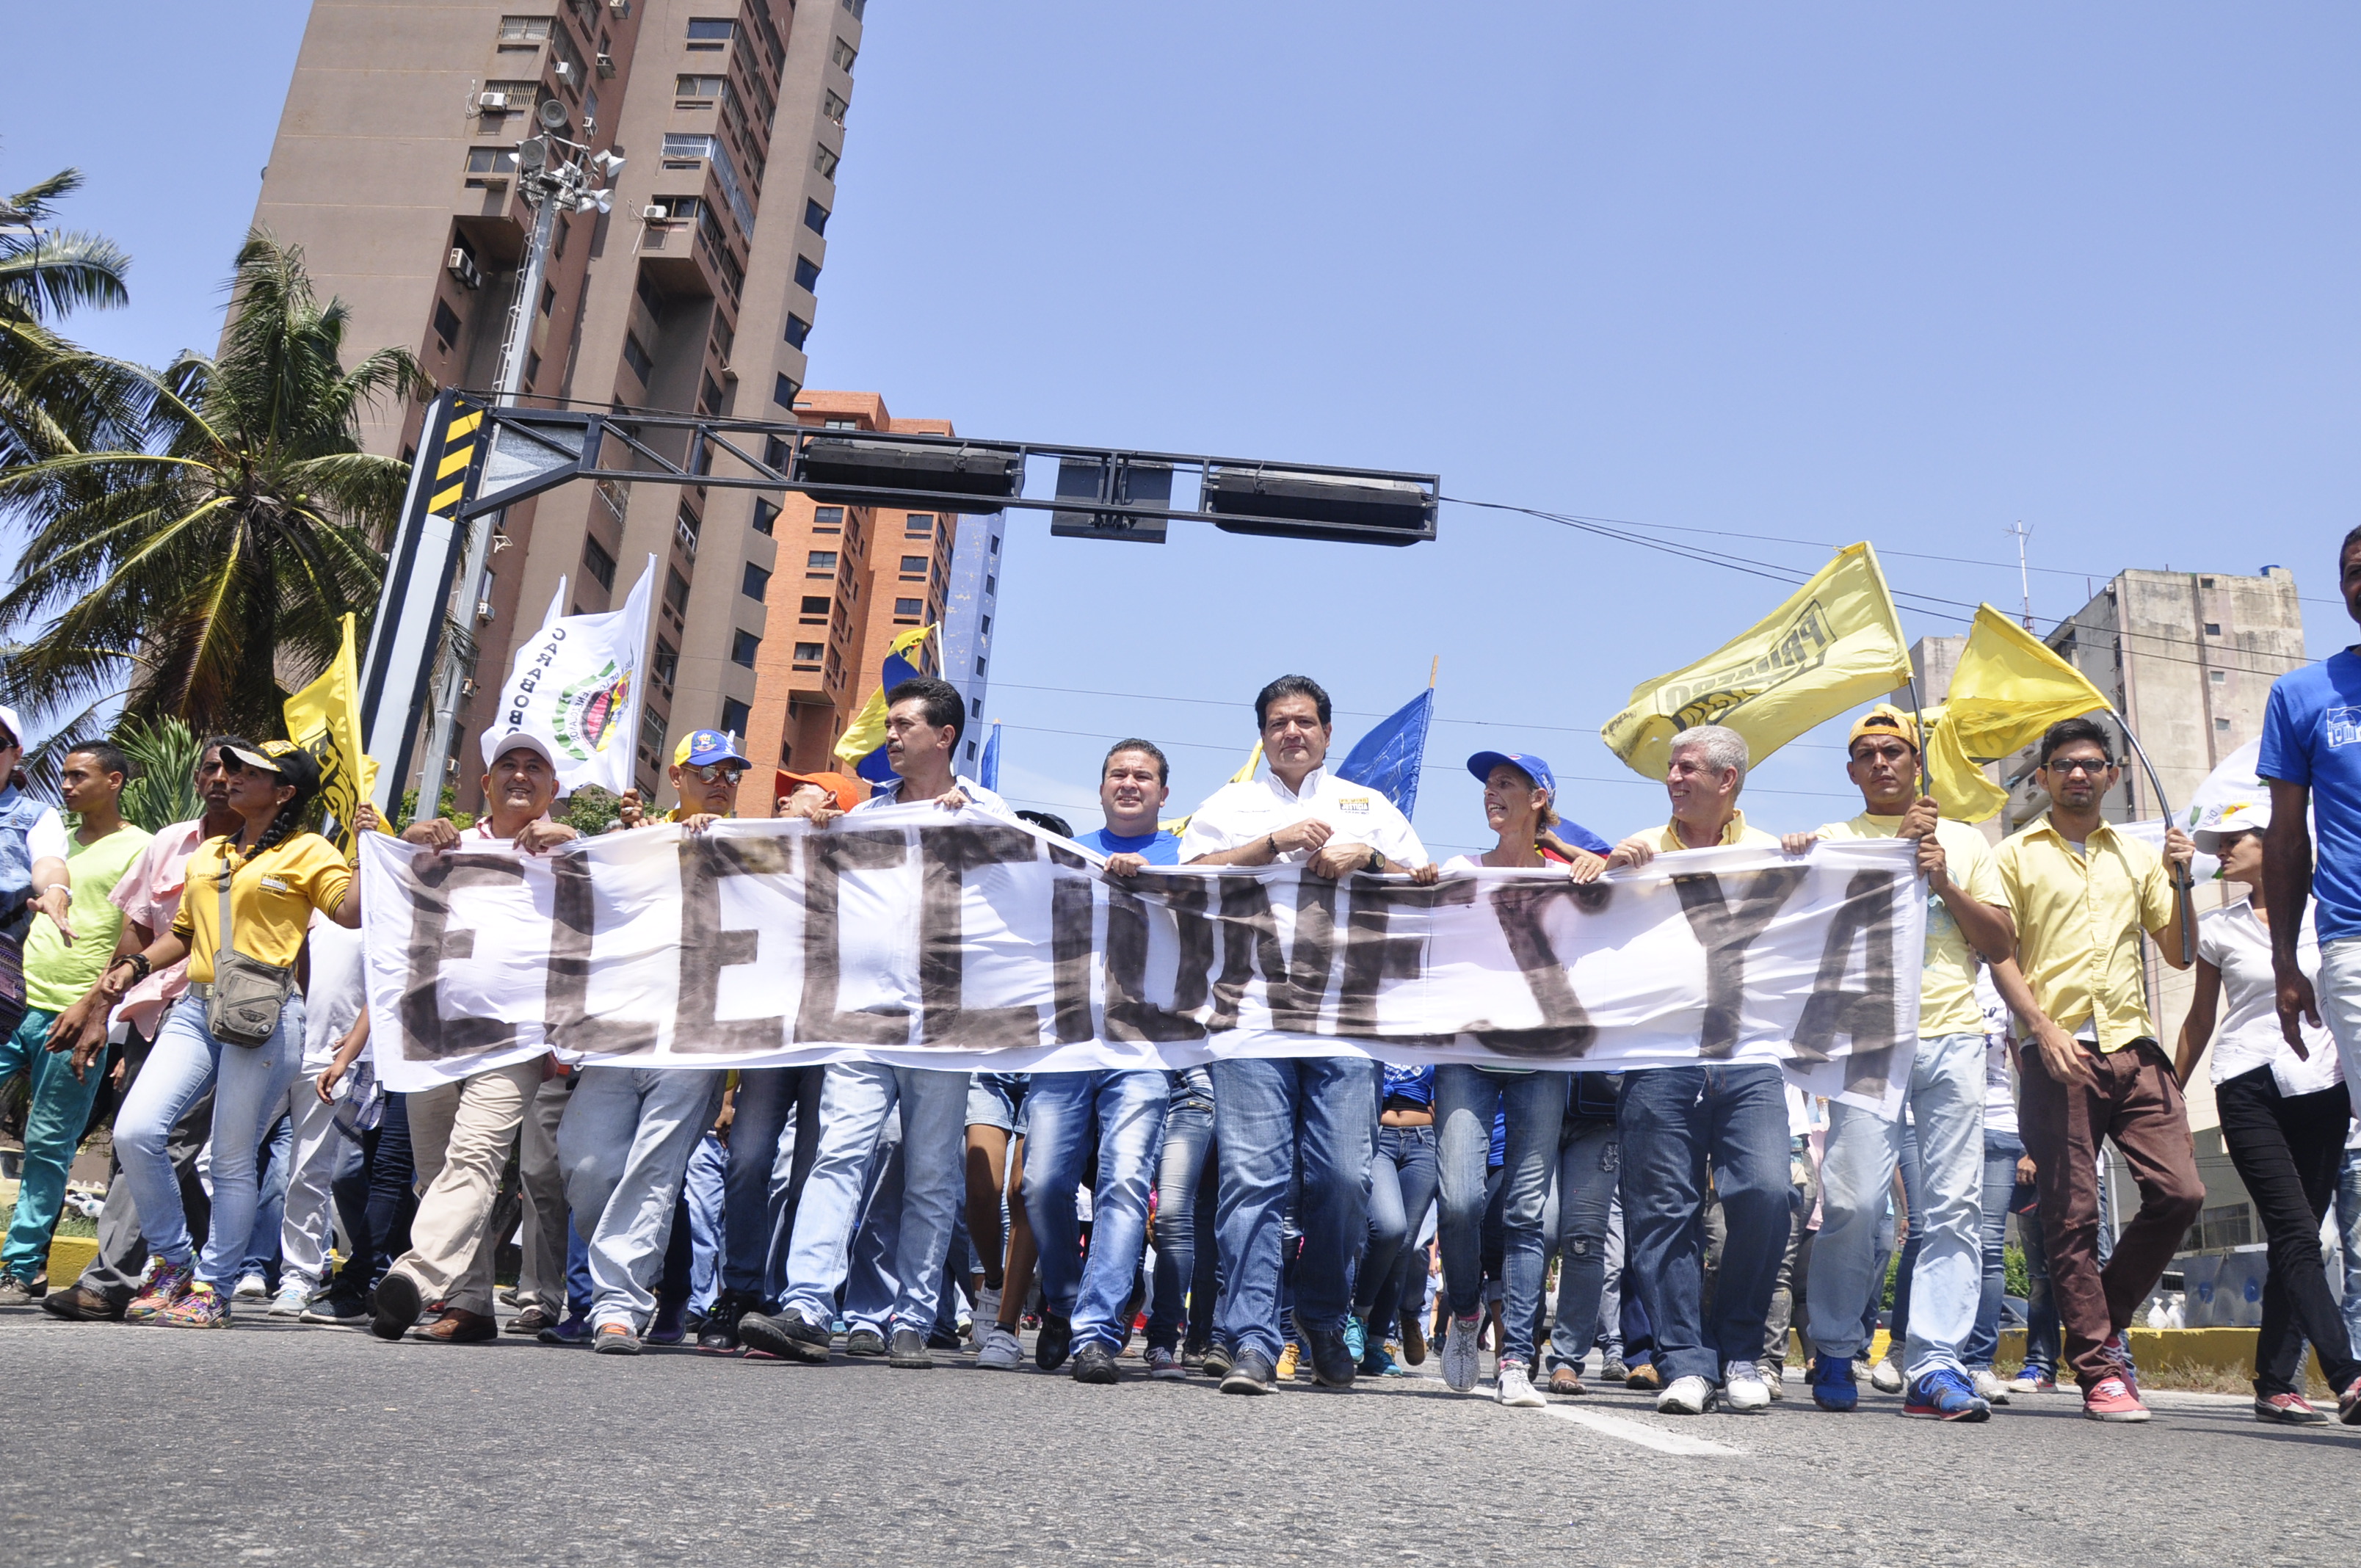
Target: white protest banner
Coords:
[(923, 938), (577, 684)]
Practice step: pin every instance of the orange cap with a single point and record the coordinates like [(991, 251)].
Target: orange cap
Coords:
[(1884, 719), (848, 792)]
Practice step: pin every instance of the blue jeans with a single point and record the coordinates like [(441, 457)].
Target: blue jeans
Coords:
[(705, 1187), (1269, 1115), (2001, 1153), (624, 1147), (1589, 1160), (250, 1087), (1403, 1176), (855, 1100), (1673, 1120), (54, 1118), (758, 1210), (1184, 1285), (276, 1159), (2348, 1226), (1128, 1108), (1466, 1099), (1947, 1096)]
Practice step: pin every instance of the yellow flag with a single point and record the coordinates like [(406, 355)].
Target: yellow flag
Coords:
[(325, 719), (1835, 643), (2008, 688), (867, 730), (1254, 761)]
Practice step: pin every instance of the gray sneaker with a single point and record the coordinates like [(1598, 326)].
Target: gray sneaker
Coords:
[(1461, 1365), (15, 1291), (1001, 1351)]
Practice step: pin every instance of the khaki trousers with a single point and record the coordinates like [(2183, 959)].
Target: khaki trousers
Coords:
[(540, 1282), (460, 1135)]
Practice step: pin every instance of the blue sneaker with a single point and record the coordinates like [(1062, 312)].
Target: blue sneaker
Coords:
[(1376, 1363), (1357, 1336), (1833, 1383), (1944, 1394)]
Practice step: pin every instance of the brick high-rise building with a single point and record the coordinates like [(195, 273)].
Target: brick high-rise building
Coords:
[(394, 169)]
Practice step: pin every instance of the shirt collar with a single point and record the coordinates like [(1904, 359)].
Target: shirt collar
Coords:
[(1311, 784), (1730, 831), (2042, 824)]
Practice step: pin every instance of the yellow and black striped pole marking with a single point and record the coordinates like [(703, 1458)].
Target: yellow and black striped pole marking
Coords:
[(459, 444)]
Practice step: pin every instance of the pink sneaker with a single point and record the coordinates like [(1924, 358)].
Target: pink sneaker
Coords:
[(167, 1284), (2288, 1410), (2111, 1400), (202, 1308)]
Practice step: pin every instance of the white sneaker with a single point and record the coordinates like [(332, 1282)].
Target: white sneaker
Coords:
[(1460, 1364), (1989, 1388), (1517, 1391), (1001, 1352), (987, 1315), (253, 1287), (1886, 1377), (293, 1297), (1743, 1392), (1687, 1396)]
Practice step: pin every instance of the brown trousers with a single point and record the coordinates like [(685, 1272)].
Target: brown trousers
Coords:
[(2135, 1101)]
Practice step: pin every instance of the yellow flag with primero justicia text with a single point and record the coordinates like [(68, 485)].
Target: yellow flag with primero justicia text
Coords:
[(325, 719), (2009, 687)]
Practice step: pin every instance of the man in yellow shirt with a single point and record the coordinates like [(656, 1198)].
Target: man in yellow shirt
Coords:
[(1672, 1120), (1966, 918), (2082, 893)]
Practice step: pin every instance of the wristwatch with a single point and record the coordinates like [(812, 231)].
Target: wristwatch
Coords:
[(1377, 862)]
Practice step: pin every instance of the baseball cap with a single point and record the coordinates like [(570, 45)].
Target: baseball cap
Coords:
[(2226, 821), (703, 748), (494, 750), (1884, 719), (293, 764), (849, 793), (1482, 763)]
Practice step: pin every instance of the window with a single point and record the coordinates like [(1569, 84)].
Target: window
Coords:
[(979, 665), (651, 731), (856, 8), (827, 519), (698, 86), (734, 715), (807, 274), (2204, 582), (824, 162), (756, 583), (975, 708), (2217, 676), (814, 216), (833, 106), (815, 605), (783, 391), (991, 584), (675, 590), (809, 653), (645, 288), (681, 147), (844, 54), (2213, 628), (841, 424), (635, 355), (525, 29), (820, 561), (598, 564), (533, 368), (799, 329), (667, 662), (996, 544), (2221, 725), (919, 526), (446, 324), (908, 607), (709, 32), (492, 161), (676, 210), (742, 648), (709, 395), (766, 514), (913, 564), (983, 627)]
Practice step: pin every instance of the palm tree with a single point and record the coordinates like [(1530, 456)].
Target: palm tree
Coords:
[(163, 756), (51, 393), (193, 569)]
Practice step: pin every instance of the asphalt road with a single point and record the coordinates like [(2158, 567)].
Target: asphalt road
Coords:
[(268, 1443)]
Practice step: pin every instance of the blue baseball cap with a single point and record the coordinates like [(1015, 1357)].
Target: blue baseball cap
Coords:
[(1482, 763), (706, 747)]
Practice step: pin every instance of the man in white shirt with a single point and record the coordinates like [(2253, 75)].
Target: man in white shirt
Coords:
[(924, 718), (1300, 814)]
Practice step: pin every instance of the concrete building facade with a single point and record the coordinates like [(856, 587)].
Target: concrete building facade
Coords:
[(394, 169)]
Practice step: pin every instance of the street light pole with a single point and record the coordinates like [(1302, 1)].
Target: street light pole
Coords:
[(551, 182)]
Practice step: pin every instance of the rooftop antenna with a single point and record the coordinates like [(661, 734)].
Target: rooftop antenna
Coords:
[(2023, 575)]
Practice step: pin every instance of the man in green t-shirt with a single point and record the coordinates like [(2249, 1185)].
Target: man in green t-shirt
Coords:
[(58, 973)]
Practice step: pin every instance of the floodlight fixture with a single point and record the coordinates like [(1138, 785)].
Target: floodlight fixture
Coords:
[(871, 472), (552, 114), (1299, 504), (533, 155)]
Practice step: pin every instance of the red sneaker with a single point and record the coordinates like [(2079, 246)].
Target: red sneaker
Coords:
[(2288, 1410), (2118, 1352), (2111, 1400)]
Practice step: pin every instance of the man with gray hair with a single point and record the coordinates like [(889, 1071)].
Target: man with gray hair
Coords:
[(1675, 1120)]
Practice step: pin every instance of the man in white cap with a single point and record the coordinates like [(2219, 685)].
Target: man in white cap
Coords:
[(461, 1133)]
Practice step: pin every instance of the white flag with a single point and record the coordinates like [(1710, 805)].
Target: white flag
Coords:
[(577, 683)]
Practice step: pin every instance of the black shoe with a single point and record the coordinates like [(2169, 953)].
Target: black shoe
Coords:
[(718, 1335), (1332, 1359), (783, 1334), (1216, 1360), (397, 1305), (1057, 1337), (909, 1351), (864, 1342), (1095, 1363), (1250, 1374), (943, 1340)]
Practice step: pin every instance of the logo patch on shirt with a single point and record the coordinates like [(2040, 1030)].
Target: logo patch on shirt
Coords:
[(1356, 804), (272, 884), (2342, 725)]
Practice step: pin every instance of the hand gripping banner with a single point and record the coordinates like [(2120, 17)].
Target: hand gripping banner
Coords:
[(923, 938)]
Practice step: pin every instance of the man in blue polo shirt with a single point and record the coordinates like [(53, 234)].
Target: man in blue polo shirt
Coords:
[(2311, 759), (1084, 1302)]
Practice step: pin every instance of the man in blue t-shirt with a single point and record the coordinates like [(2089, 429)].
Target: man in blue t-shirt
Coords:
[(1133, 784), (2312, 758)]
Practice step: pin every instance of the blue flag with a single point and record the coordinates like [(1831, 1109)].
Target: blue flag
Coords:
[(988, 773), (869, 725), (1388, 757)]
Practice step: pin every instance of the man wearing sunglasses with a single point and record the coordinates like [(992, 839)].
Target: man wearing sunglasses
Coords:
[(2089, 1067)]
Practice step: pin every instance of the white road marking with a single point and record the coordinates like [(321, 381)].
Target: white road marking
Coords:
[(1644, 1435)]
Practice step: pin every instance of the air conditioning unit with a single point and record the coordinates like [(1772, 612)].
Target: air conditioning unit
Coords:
[(493, 103), (565, 73), (653, 214), (462, 265), (620, 7), (606, 65)]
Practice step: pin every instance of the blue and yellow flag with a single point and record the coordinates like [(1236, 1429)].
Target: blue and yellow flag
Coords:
[(1388, 757), (862, 745)]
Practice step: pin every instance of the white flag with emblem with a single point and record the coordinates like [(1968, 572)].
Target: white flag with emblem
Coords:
[(577, 684)]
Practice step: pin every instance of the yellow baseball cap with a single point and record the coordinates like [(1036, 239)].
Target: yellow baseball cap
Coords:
[(1884, 719)]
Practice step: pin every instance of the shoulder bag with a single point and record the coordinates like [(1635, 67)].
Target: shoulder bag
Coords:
[(243, 1003)]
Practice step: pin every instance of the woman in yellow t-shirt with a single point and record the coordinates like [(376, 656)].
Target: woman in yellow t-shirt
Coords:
[(279, 872)]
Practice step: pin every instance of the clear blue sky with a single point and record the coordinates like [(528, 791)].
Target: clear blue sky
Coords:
[(1819, 272)]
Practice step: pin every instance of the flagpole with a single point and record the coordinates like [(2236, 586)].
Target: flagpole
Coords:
[(2182, 883), (1918, 718)]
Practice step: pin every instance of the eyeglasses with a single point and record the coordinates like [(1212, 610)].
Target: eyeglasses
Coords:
[(715, 772), (2093, 765)]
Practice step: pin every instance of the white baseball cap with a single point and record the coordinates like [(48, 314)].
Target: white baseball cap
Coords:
[(497, 746), (2246, 814), (9, 718)]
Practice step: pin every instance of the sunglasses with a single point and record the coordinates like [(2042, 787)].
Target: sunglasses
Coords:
[(715, 772), (2080, 765)]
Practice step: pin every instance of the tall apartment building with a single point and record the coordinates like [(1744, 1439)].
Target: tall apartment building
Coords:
[(847, 581), (968, 609), (394, 169)]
